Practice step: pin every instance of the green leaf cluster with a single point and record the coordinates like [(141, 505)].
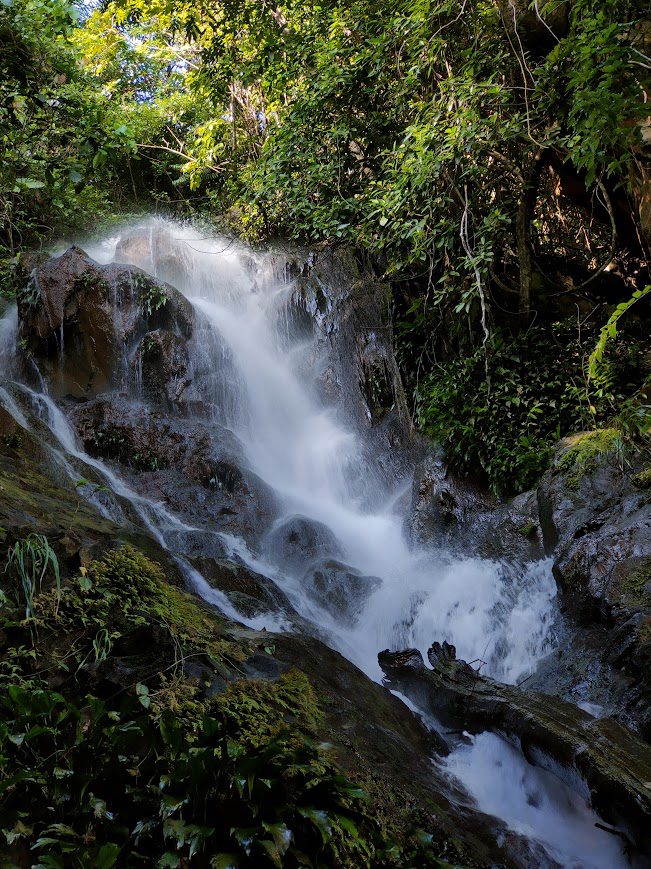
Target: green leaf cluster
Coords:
[(113, 754)]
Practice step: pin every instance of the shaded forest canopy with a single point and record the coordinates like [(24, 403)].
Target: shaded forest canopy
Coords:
[(490, 156)]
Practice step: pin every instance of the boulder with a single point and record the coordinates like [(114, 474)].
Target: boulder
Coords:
[(452, 513), (250, 592), (80, 322), (595, 513), (338, 588), (596, 519), (297, 541)]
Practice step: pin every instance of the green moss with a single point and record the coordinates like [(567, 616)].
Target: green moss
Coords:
[(528, 530), (139, 585), (643, 479), (584, 452), (29, 501), (633, 588), (258, 711)]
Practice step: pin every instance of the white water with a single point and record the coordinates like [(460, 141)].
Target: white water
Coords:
[(534, 803), (318, 465)]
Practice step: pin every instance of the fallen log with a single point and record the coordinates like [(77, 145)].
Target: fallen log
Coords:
[(599, 758)]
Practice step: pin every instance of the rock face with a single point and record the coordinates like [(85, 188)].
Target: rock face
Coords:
[(456, 515), (614, 764), (339, 297), (196, 470), (162, 368), (81, 323), (596, 519), (161, 253), (595, 511)]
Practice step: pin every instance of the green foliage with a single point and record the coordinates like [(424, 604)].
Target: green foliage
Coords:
[(30, 559), (395, 124), (152, 768), (643, 479), (153, 297), (93, 783), (610, 331), (55, 142), (506, 425)]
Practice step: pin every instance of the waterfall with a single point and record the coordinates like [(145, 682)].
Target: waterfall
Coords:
[(253, 378)]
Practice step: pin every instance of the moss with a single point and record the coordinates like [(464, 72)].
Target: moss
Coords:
[(643, 479), (139, 584), (633, 587), (257, 711), (584, 452), (528, 530), (30, 501)]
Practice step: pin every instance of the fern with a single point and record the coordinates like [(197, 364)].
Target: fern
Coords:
[(610, 331)]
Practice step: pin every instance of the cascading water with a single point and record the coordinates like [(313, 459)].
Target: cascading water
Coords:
[(320, 468), (251, 379)]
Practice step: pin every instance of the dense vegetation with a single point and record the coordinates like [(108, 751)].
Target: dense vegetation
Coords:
[(491, 155), (116, 749)]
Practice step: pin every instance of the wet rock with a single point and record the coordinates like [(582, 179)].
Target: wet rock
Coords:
[(596, 520), (339, 296), (453, 513), (339, 588), (117, 429), (80, 321), (440, 504), (614, 763), (251, 592), (163, 366), (198, 471), (197, 544), (299, 540)]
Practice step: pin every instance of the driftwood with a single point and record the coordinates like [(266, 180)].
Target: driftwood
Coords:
[(594, 756)]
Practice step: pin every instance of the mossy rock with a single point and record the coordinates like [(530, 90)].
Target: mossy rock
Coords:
[(631, 585), (643, 479), (583, 452)]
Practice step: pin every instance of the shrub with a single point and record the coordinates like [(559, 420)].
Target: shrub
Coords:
[(503, 427)]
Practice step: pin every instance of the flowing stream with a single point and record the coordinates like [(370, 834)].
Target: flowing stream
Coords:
[(260, 384)]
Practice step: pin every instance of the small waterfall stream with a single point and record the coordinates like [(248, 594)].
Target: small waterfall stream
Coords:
[(261, 387)]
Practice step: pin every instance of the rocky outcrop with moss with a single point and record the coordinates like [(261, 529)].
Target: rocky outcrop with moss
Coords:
[(595, 515), (86, 324)]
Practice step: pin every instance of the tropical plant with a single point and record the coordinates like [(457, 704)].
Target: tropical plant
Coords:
[(31, 558)]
